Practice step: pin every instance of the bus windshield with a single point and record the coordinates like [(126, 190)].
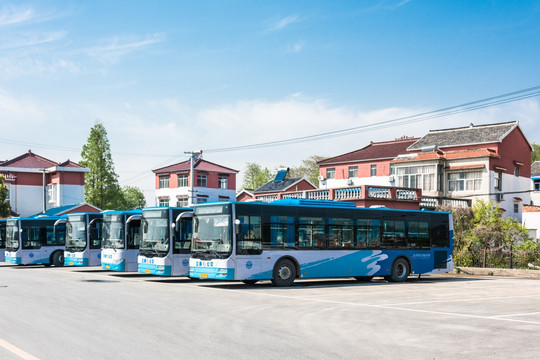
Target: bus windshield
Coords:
[(155, 237), (113, 234), (76, 236), (12, 236), (212, 236)]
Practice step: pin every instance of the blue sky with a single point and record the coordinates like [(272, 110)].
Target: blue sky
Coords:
[(167, 77)]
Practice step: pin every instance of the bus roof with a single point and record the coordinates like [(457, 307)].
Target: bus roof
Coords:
[(318, 203), (122, 212)]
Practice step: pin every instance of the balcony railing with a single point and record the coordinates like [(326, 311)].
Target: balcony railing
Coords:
[(348, 193)]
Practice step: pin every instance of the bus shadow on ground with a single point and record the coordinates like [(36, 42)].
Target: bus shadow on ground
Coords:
[(330, 283), (34, 266), (89, 270), (130, 275), (173, 280)]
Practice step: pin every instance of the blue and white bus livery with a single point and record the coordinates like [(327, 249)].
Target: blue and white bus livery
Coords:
[(297, 238), (35, 241), (166, 241), (121, 240), (83, 239)]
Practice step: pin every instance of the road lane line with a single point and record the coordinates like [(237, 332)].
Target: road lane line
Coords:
[(15, 350)]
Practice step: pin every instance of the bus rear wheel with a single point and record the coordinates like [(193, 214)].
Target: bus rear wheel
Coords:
[(400, 270), (284, 273), (58, 258)]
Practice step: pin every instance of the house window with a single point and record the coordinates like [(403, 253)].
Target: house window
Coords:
[(164, 182), (417, 177), (163, 202), (223, 182), (183, 181), (52, 191), (201, 180), (498, 181), (516, 170), (373, 170), (182, 200), (465, 181), (353, 171), (392, 169), (331, 173), (516, 208), (536, 185)]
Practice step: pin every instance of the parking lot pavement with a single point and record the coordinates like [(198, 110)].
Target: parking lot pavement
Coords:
[(141, 316)]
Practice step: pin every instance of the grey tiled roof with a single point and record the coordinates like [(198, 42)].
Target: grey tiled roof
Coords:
[(469, 135), (277, 186), (535, 168)]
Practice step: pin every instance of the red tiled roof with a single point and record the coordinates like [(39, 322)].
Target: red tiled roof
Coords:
[(374, 151), (69, 163), (531, 208), (201, 165), (29, 160), (451, 155)]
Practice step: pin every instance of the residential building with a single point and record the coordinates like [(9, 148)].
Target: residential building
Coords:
[(211, 182), (272, 189), (36, 184), (371, 165), (488, 162), (535, 183), (531, 220)]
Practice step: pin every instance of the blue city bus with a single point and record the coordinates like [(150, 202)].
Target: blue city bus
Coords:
[(299, 238), (35, 241), (166, 241), (2, 240), (83, 239), (121, 240)]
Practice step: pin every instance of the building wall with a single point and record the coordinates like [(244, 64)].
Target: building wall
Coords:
[(531, 221), (26, 200)]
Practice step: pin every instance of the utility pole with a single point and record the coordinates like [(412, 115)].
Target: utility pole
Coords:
[(194, 155)]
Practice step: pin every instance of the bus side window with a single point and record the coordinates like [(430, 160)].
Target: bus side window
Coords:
[(249, 240), (368, 233)]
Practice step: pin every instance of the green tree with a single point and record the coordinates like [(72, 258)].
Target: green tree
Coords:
[(309, 169), (132, 198), (102, 188), (535, 154), (4, 204), (255, 176)]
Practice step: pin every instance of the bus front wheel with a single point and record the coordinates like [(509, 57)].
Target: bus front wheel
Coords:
[(284, 273), (58, 258), (400, 270)]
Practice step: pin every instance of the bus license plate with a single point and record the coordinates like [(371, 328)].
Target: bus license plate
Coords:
[(204, 276), (147, 271)]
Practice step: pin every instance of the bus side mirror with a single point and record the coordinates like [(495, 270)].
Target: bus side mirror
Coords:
[(237, 226)]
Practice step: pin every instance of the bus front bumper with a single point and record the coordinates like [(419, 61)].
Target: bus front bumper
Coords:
[(199, 272)]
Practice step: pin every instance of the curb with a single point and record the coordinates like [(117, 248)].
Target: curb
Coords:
[(516, 273)]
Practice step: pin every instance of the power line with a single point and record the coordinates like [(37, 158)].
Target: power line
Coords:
[(452, 110)]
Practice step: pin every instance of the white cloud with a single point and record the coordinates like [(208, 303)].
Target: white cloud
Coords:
[(161, 130), (283, 23), (11, 15), (32, 39), (296, 47), (111, 50)]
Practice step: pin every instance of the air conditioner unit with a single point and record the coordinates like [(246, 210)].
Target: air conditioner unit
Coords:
[(391, 178), (349, 182), (321, 178)]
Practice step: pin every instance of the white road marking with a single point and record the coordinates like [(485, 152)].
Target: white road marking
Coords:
[(15, 350)]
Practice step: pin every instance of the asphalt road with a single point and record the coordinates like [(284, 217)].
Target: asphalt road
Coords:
[(87, 313)]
